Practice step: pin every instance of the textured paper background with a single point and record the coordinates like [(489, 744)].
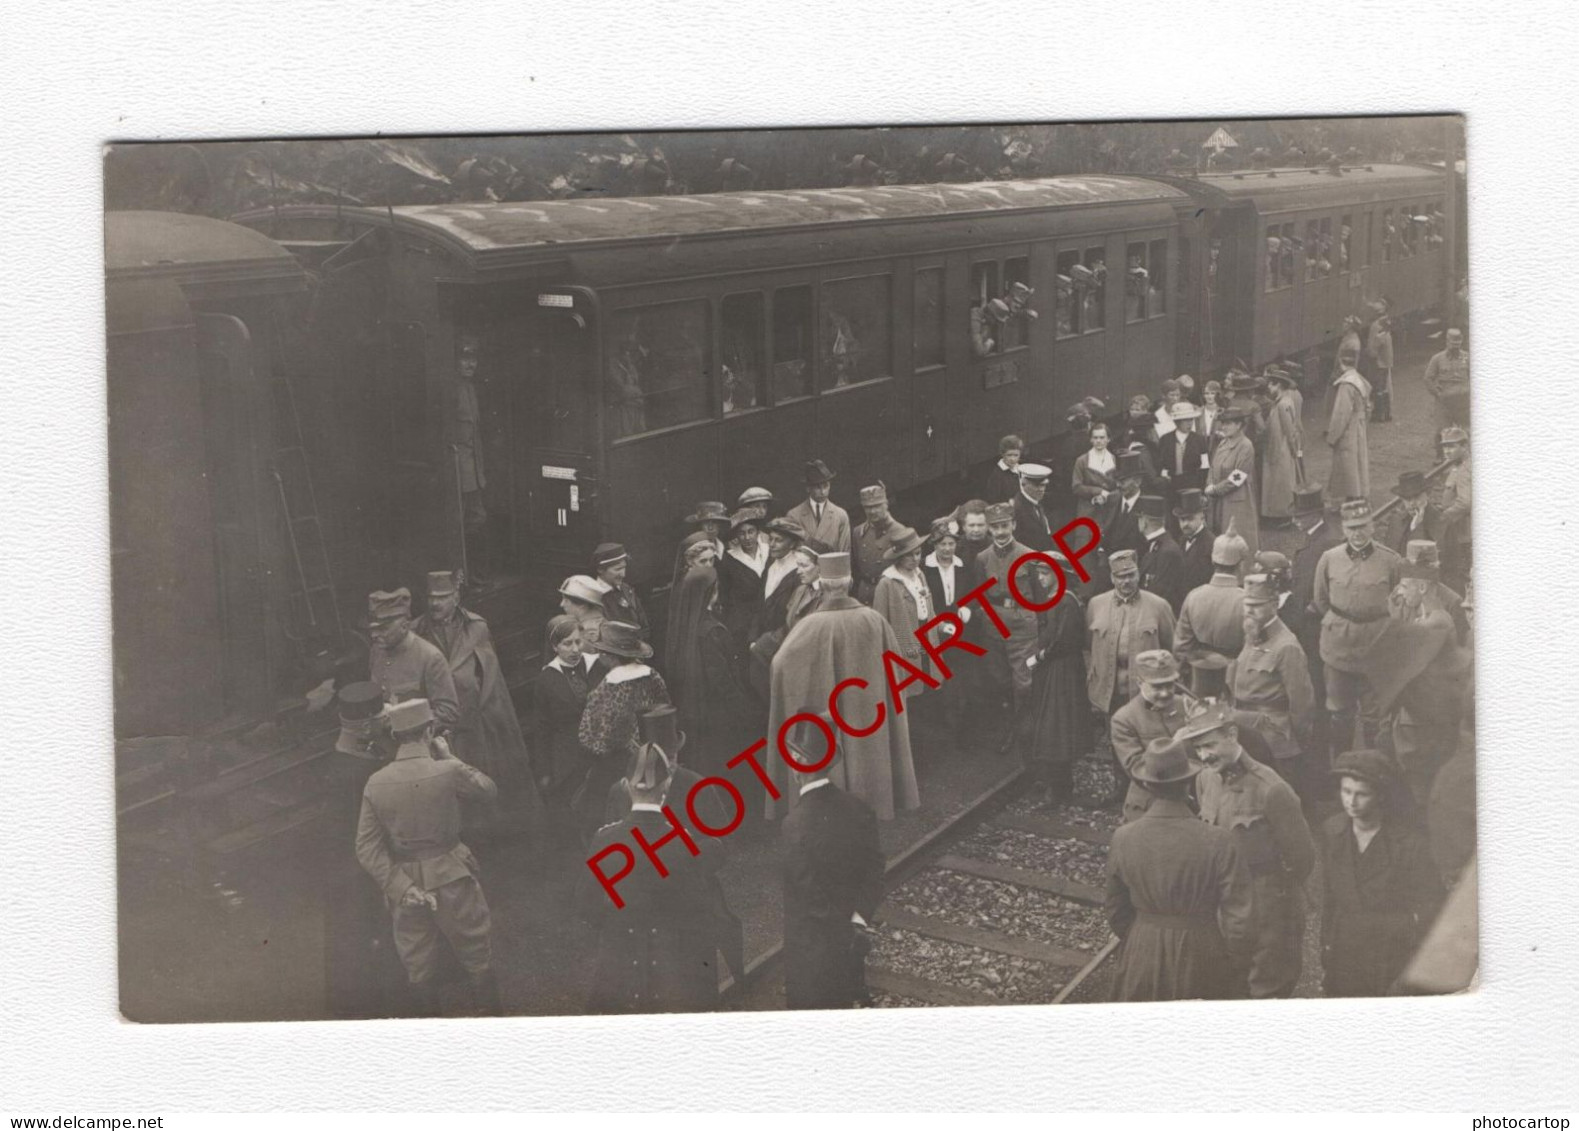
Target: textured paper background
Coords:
[(78, 75)]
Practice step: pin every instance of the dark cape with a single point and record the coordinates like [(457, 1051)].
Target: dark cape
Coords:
[(707, 677)]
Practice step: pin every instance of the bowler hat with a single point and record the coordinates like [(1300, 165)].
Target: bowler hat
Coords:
[(1209, 676), (382, 608), (903, 541), (1153, 506), (1191, 502), (441, 583), (1410, 484), (1164, 760), (708, 512), (608, 554), (661, 725), (620, 639), (1372, 765), (817, 472)]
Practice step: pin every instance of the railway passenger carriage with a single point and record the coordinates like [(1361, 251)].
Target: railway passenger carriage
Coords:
[(639, 355)]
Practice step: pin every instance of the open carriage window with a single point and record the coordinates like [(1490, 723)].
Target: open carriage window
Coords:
[(1017, 295), (657, 368), (1345, 247), (1066, 310), (740, 371), (793, 329), (856, 331), (1093, 315)]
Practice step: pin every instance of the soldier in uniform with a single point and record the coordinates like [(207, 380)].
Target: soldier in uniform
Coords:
[(833, 881), (1032, 527), (825, 522), (408, 840), (611, 563), (1353, 582), (1178, 893), (405, 665), (1155, 712), (1006, 659), (1212, 618), (1161, 560), (1457, 536), (1249, 800), (870, 541), (1270, 682), (659, 952), (1123, 623), (1447, 379)]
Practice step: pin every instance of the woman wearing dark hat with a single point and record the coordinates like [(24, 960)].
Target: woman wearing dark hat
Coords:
[(1061, 708), (559, 696), (712, 522), (1381, 888), (707, 678), (902, 597), (740, 573), (608, 723)]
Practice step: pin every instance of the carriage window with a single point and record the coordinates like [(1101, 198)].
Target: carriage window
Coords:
[(1157, 291), (1281, 250), (1345, 242), (1389, 235), (1136, 281), (1312, 251), (1066, 310), (1214, 256), (657, 371), (927, 318), (792, 335), (986, 335), (855, 330), (1093, 315), (1411, 222), (1017, 294), (740, 353)]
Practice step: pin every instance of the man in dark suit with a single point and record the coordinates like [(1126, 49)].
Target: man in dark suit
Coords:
[(1123, 530), (1183, 457), (1161, 560), (833, 881), (1415, 519), (1299, 611), (1195, 540)]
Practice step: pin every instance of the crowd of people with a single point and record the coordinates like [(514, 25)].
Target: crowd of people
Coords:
[(1238, 694)]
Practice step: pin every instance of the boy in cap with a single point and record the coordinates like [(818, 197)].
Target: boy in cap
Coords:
[(408, 840), (1155, 711), (1178, 892), (824, 521), (1251, 802)]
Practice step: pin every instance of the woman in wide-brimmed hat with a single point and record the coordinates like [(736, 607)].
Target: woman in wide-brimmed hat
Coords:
[(608, 724), (902, 597), (1381, 889)]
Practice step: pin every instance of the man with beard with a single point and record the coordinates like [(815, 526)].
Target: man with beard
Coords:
[(871, 540), (1154, 712), (1249, 800), (1353, 582), (1270, 683), (1195, 541)]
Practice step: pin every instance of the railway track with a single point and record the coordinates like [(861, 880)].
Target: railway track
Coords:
[(1000, 905)]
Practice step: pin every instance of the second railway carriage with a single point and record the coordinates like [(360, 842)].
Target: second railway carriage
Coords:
[(1283, 255), (639, 355)]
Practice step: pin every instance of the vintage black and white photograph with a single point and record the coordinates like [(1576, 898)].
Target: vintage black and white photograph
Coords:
[(809, 569)]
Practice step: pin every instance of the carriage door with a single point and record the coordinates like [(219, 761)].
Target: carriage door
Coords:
[(930, 416), (556, 405)]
